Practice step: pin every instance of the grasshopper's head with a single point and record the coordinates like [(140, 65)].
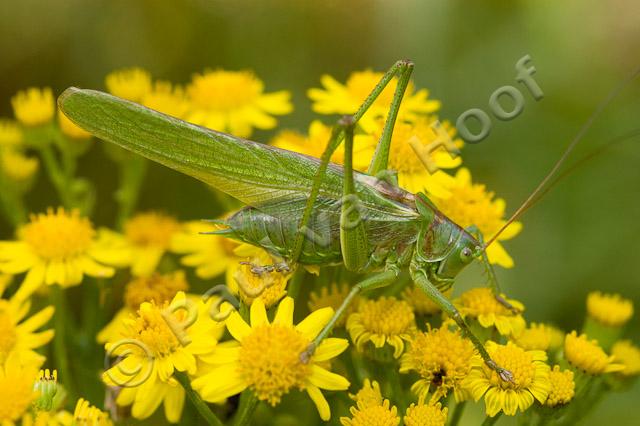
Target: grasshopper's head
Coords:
[(443, 244), (463, 252)]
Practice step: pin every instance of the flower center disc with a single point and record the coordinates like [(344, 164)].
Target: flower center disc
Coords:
[(270, 361), (57, 236), (518, 362)]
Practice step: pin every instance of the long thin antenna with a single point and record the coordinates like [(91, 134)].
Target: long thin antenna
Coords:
[(579, 136), (590, 156)]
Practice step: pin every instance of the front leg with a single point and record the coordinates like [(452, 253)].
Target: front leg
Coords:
[(379, 280), (492, 281), (419, 277)]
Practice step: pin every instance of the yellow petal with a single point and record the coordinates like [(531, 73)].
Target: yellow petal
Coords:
[(493, 401), (32, 282), (237, 327), (284, 315), (321, 403), (37, 320), (330, 348), (148, 398), (499, 256), (311, 326), (174, 403), (219, 384), (258, 313), (327, 380)]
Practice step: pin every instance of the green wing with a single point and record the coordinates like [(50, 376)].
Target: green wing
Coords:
[(257, 174)]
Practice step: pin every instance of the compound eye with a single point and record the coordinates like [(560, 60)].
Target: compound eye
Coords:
[(466, 254)]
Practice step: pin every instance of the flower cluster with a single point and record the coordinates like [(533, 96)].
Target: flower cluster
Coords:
[(185, 319)]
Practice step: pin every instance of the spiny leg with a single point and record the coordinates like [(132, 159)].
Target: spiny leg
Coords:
[(420, 279), (403, 69), (491, 274), (380, 159), (354, 243), (382, 279)]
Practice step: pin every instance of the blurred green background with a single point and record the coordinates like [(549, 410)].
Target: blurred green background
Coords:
[(584, 235)]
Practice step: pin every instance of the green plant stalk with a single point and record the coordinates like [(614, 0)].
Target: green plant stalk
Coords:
[(393, 381), (59, 341), (457, 413), (296, 282), (132, 174), (57, 176), (11, 204), (248, 404), (489, 421), (198, 403)]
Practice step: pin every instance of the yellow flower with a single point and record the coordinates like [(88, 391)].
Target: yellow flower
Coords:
[(16, 388), (413, 174), (211, 255), (10, 133), (337, 98), (317, 140), (159, 340), (530, 379), (562, 387), (155, 288), (420, 302), (628, 354), (266, 358), (55, 248), (70, 129), (372, 415), (149, 237), (480, 303), (269, 287), (333, 297), (609, 309), (86, 414), (234, 102), (34, 106), (471, 204), (426, 414), (534, 337), (16, 166), (386, 320), (587, 356), (369, 395), (165, 98), (129, 83), (19, 334), (442, 358)]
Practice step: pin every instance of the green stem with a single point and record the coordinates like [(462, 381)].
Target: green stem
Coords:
[(132, 173), (393, 381), (457, 413), (489, 421), (11, 203), (296, 282), (56, 175), (59, 342), (248, 404), (198, 403)]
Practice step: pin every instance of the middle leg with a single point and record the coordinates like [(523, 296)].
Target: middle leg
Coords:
[(492, 281)]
